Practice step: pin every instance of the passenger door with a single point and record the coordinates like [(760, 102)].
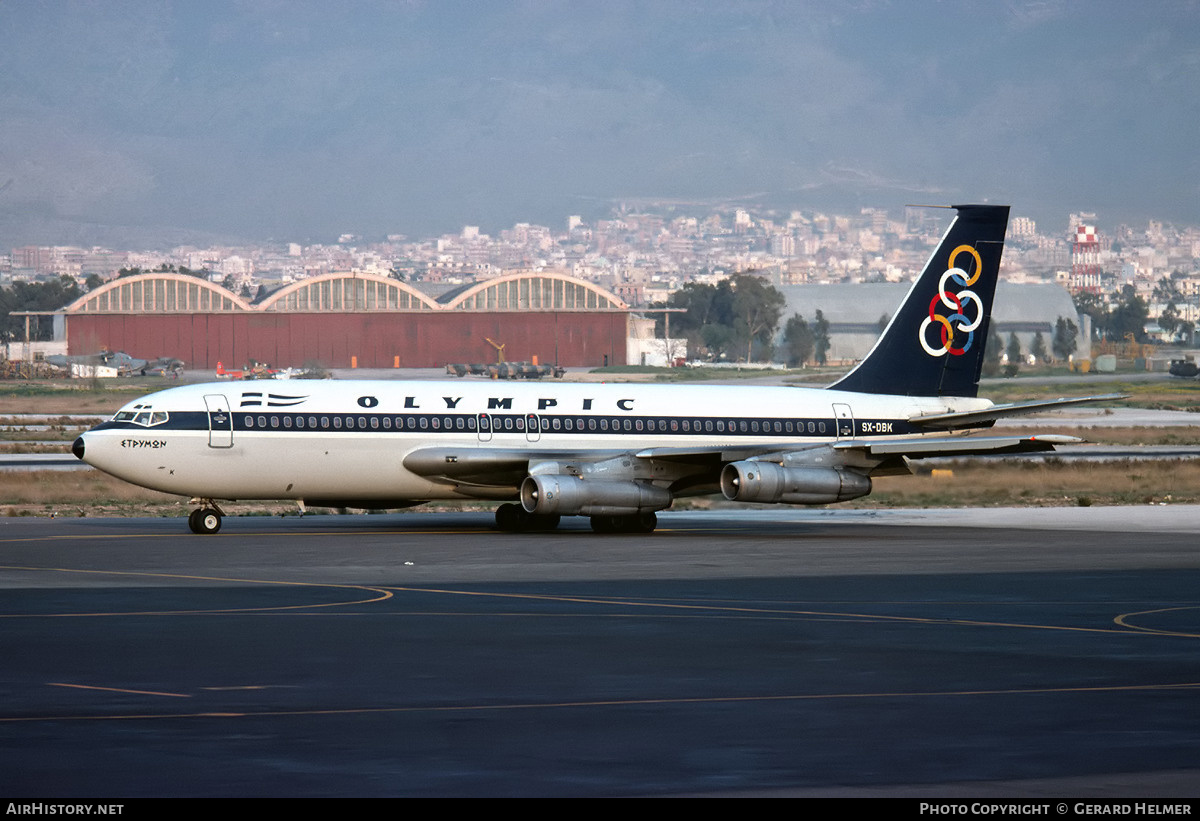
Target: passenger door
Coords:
[(845, 421), (220, 421)]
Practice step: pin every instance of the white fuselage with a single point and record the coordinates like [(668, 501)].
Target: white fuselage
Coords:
[(349, 439)]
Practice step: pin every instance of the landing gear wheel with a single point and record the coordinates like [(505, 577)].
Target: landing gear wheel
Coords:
[(633, 523), (643, 522), (204, 520), (604, 524), (513, 518), (545, 522)]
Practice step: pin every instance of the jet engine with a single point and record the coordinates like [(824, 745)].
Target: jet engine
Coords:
[(769, 482), (569, 495)]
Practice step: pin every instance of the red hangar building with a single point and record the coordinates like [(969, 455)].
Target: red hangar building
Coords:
[(352, 320)]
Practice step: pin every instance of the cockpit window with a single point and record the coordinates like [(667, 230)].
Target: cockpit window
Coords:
[(142, 415)]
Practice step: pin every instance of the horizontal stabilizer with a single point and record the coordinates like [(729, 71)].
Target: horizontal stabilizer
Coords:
[(967, 419)]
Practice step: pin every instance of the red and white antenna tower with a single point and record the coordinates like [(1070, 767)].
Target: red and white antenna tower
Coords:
[(1085, 260)]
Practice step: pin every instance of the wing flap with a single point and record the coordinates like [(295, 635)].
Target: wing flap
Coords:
[(947, 446), (488, 465)]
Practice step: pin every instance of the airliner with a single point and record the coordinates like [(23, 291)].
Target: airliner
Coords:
[(616, 453)]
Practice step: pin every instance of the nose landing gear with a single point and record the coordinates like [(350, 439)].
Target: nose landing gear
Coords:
[(205, 519)]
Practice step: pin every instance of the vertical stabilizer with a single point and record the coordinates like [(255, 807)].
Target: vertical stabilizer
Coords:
[(934, 344)]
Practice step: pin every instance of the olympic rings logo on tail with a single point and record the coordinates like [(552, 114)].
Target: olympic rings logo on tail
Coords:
[(956, 303)]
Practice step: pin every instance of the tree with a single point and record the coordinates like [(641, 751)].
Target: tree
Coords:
[(1038, 350), (821, 337), (1129, 316), (1164, 290), (1014, 356), (1065, 341), (672, 349), (34, 296), (757, 306), (1169, 320), (1187, 331), (1013, 350), (728, 318), (1090, 304), (992, 354), (798, 341), (701, 308), (717, 339)]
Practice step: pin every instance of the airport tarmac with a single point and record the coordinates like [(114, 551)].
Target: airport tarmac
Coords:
[(998, 652)]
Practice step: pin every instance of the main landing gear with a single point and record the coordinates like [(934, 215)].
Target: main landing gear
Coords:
[(633, 523), (512, 518), (205, 519), (515, 519)]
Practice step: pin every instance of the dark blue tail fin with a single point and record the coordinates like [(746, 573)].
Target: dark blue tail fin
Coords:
[(934, 344)]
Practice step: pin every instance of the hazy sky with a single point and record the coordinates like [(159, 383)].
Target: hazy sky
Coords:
[(302, 120)]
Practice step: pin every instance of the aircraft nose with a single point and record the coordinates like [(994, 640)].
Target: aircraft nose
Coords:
[(77, 448)]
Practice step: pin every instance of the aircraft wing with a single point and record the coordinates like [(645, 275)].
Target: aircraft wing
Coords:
[(964, 419), (455, 464), (922, 448), (490, 473)]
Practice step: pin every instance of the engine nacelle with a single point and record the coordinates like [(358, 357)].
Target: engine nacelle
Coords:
[(769, 482), (570, 495)]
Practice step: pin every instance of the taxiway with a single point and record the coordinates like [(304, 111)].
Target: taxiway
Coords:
[(806, 652)]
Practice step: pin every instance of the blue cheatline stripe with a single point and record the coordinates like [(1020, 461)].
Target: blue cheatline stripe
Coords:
[(551, 424)]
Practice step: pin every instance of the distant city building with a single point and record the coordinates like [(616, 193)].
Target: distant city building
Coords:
[(640, 256), (1022, 228)]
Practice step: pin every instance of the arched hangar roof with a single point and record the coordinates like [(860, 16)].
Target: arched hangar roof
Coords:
[(163, 292), (348, 292), (159, 292), (541, 291)]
